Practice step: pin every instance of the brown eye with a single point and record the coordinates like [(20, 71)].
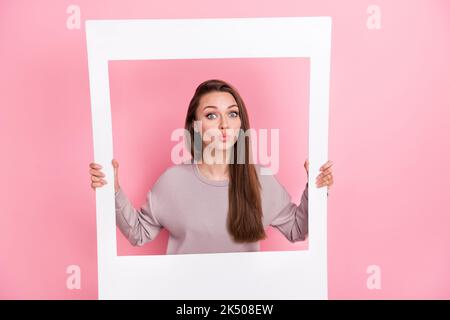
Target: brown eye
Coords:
[(235, 114)]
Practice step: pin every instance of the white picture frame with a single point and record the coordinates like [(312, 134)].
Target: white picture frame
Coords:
[(255, 275)]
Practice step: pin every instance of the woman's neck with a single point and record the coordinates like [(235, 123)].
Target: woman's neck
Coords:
[(214, 171), (217, 167)]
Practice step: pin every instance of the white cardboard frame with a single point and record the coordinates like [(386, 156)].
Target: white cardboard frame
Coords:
[(256, 275)]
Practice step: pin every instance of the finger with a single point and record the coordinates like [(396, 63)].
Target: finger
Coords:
[(94, 165), (326, 165), (96, 179), (116, 167), (328, 176), (96, 173), (328, 183), (326, 171), (331, 182), (96, 185), (325, 180), (322, 176), (320, 185)]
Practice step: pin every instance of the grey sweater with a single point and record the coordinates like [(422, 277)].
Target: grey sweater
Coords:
[(193, 209)]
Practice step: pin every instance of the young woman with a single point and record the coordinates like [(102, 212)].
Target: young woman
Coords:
[(216, 202)]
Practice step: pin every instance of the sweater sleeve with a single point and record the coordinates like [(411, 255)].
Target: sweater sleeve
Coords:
[(292, 220), (137, 225)]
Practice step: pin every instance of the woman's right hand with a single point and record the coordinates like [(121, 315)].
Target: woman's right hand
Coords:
[(97, 176)]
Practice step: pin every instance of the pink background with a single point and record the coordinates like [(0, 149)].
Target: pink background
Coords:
[(389, 128)]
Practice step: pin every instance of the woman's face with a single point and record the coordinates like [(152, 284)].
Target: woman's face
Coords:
[(220, 119)]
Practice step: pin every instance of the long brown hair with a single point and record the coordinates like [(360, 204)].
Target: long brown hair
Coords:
[(244, 220)]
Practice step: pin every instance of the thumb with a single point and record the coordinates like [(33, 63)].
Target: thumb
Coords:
[(116, 171)]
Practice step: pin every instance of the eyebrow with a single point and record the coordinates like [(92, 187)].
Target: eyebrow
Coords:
[(214, 107)]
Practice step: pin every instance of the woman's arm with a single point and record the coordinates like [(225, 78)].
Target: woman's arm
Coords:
[(138, 226), (292, 220)]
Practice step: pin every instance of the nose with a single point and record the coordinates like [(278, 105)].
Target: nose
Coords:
[(223, 123)]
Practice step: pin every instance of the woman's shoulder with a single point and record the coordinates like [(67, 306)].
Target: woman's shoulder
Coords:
[(174, 174), (271, 185), (265, 173)]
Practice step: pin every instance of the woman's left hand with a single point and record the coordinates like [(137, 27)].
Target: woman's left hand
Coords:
[(325, 178)]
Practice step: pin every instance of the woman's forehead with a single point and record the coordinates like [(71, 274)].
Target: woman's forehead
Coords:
[(217, 99)]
